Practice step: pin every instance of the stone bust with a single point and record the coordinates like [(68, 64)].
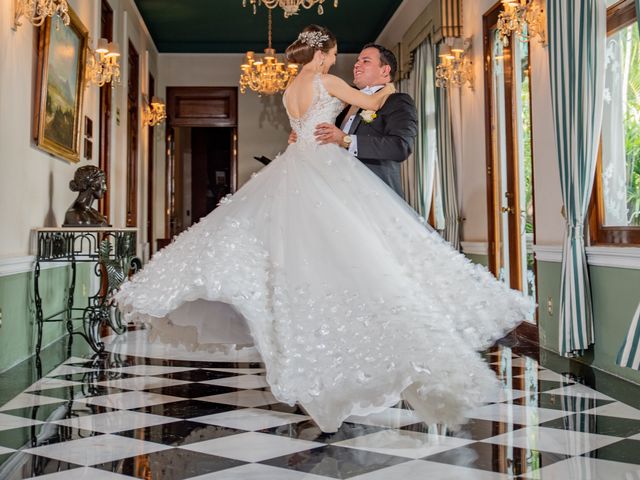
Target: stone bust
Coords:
[(89, 182)]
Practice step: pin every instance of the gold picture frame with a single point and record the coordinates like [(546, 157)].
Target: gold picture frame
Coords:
[(61, 65)]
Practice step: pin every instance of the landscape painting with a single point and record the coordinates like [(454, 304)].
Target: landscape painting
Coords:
[(61, 65)]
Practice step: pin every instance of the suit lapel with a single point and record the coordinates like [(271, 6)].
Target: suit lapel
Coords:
[(356, 122), (340, 118)]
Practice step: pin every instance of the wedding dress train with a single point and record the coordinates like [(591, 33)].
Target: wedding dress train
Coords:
[(352, 302)]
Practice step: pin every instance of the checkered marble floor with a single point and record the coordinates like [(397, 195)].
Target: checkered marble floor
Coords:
[(119, 416)]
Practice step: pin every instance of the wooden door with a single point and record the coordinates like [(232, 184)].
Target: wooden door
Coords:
[(106, 31), (133, 85)]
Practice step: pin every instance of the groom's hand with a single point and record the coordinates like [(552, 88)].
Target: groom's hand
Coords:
[(328, 133), (293, 137)]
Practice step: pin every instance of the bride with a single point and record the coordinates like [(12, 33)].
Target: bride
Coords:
[(351, 301)]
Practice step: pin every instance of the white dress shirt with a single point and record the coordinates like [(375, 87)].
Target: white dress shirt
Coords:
[(353, 148)]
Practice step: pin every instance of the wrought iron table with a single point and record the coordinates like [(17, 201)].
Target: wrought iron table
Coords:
[(113, 252)]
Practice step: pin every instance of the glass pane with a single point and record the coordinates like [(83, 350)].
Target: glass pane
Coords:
[(499, 145), (621, 130), (522, 86)]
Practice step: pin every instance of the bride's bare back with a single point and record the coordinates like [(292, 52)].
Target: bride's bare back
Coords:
[(300, 94)]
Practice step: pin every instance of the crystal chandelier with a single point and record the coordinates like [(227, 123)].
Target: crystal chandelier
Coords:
[(153, 113), (102, 64), (36, 11), (267, 75), (290, 7), (455, 69), (524, 18)]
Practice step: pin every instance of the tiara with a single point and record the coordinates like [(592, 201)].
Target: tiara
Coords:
[(313, 39)]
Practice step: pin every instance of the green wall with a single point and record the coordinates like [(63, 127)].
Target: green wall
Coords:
[(615, 296), (480, 259), (18, 331)]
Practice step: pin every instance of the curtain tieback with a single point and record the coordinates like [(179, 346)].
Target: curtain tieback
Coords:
[(576, 230)]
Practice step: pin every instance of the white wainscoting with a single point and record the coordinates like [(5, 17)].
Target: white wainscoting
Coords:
[(475, 248), (616, 257), (16, 265)]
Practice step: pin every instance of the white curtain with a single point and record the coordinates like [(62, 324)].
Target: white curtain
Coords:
[(425, 151), (577, 35), (447, 215)]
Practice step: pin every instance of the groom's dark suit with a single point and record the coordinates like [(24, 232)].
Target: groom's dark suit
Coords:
[(387, 141)]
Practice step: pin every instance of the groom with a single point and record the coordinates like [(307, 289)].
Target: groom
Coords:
[(384, 142)]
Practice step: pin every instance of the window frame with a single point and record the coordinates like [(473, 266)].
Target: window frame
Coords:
[(619, 16)]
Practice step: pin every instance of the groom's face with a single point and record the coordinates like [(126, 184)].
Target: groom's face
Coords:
[(368, 70)]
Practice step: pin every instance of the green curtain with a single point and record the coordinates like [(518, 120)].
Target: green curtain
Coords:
[(577, 35), (425, 143), (447, 194)]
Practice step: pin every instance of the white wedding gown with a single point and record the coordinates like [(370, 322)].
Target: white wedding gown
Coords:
[(352, 302)]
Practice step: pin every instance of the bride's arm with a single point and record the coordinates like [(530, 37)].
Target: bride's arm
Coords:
[(351, 96)]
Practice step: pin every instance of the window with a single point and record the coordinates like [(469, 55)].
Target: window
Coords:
[(615, 217)]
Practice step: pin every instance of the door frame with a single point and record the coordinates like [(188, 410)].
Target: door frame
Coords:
[(106, 102), (197, 107), (494, 202), (133, 135)]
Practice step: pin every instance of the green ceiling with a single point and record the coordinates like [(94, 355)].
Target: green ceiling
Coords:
[(224, 26)]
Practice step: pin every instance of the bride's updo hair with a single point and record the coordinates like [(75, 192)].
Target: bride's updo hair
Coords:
[(312, 38)]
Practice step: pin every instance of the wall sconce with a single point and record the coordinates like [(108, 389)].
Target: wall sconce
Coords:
[(36, 11), (455, 68), (153, 113), (523, 18), (102, 64)]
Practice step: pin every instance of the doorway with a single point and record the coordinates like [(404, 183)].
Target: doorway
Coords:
[(203, 159), (202, 153), (510, 173)]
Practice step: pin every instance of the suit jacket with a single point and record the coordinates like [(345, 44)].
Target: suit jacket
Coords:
[(387, 141)]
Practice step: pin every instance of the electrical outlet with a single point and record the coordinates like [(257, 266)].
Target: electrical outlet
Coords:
[(550, 306)]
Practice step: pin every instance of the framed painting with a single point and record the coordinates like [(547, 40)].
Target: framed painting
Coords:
[(60, 86)]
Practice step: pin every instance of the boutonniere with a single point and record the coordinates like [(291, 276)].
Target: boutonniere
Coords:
[(368, 116)]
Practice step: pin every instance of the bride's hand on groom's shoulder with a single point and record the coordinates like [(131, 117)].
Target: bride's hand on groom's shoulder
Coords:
[(390, 88)]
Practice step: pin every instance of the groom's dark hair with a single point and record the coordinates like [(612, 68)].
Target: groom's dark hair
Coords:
[(386, 58)]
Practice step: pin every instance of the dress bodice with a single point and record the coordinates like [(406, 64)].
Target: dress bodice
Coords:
[(323, 108)]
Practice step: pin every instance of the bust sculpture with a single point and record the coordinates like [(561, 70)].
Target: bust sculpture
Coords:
[(89, 182)]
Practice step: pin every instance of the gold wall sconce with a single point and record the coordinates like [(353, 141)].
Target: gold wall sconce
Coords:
[(102, 64), (154, 112), (525, 19), (455, 68), (37, 11)]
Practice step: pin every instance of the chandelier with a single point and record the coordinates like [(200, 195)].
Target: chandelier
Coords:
[(524, 18), (36, 11), (102, 64), (266, 75), (153, 113), (455, 68), (290, 7)]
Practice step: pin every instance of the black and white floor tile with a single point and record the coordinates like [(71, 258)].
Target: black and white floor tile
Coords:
[(150, 412)]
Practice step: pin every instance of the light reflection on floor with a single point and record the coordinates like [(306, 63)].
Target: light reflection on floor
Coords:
[(157, 412)]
